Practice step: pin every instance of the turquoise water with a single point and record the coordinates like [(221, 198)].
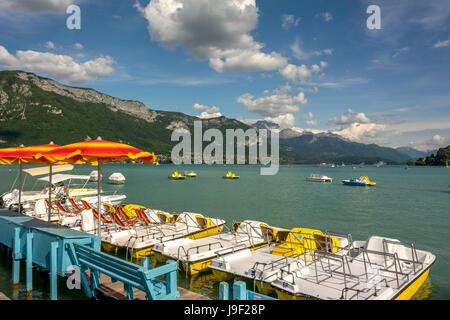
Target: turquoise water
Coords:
[(410, 205)]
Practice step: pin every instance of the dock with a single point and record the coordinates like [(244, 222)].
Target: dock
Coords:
[(115, 290)]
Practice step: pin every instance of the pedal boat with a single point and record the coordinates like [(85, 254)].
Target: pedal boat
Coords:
[(230, 175), (377, 269), (191, 175), (363, 181), (139, 241), (195, 255), (319, 178), (260, 267), (176, 176)]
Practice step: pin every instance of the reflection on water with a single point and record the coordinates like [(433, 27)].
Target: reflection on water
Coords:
[(424, 291)]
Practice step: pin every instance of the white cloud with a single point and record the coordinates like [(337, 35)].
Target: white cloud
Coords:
[(363, 132), (325, 51), (356, 126), (442, 44), (57, 66), (199, 107), (289, 20), (50, 45), (300, 73), (438, 139), (297, 50), (286, 120), (314, 90), (280, 102), (350, 117), (78, 46), (309, 118), (218, 31), (432, 143), (36, 6), (327, 16), (210, 112), (251, 60), (400, 51)]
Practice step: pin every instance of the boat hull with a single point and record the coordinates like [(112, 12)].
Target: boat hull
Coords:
[(358, 184), (139, 253), (406, 294), (196, 267)]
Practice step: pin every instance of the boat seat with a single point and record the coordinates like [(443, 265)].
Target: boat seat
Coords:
[(375, 243)]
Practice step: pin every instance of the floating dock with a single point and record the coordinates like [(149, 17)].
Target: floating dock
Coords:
[(48, 247), (114, 290)]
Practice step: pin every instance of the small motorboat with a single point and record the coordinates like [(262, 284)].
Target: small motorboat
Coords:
[(176, 176), (116, 178), (361, 181), (319, 178), (230, 175), (94, 176), (191, 175)]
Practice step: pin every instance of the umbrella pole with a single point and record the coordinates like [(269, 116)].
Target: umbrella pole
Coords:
[(99, 188), (20, 186), (50, 193)]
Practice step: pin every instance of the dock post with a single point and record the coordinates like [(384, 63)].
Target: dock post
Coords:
[(171, 278), (224, 291), (53, 271), (29, 263), (15, 255), (239, 291)]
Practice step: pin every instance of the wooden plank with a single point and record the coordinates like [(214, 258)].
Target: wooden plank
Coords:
[(3, 297), (114, 290)]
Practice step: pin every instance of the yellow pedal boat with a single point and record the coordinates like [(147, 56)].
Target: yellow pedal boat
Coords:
[(230, 175), (176, 176)]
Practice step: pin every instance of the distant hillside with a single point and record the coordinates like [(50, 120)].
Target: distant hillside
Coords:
[(413, 153), (36, 110), (440, 158), (308, 147)]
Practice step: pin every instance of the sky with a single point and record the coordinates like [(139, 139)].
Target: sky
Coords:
[(307, 65)]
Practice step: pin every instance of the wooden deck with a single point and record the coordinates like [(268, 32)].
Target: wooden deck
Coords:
[(3, 297), (115, 291)]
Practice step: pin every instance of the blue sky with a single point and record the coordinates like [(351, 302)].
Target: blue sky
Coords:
[(305, 64)]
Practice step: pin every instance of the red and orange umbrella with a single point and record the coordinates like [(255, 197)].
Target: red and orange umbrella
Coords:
[(97, 152), (21, 155)]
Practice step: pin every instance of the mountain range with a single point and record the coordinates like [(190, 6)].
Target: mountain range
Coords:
[(36, 110)]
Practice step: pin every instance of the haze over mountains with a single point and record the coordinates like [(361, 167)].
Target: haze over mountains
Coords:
[(36, 110)]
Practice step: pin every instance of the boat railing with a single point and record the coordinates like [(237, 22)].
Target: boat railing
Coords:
[(208, 245), (264, 266), (233, 249), (340, 234), (415, 258), (325, 258)]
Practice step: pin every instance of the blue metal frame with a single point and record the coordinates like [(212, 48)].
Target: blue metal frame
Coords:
[(240, 292), (47, 247), (132, 275)]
